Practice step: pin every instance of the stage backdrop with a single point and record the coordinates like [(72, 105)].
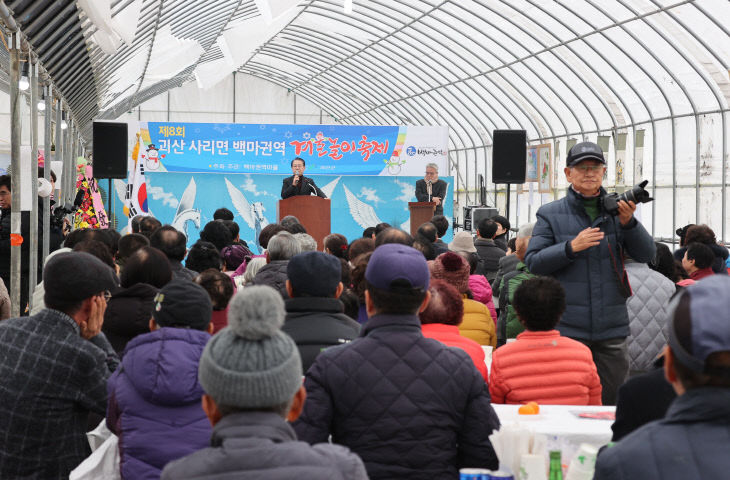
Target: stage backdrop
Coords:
[(188, 201), (182, 172)]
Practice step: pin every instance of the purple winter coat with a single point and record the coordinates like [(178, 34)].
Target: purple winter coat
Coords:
[(154, 401)]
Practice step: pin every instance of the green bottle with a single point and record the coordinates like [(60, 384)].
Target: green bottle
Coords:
[(556, 468)]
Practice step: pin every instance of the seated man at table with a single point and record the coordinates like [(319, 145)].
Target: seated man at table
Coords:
[(541, 366), (692, 439), (409, 406)]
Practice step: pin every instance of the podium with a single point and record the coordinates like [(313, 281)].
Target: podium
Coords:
[(312, 212), (421, 212)]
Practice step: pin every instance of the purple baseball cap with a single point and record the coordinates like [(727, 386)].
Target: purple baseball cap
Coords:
[(698, 324), (394, 261)]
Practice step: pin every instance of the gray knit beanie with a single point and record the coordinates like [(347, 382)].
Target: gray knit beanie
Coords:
[(251, 363)]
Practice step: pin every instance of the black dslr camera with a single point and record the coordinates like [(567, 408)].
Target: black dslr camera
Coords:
[(636, 194)]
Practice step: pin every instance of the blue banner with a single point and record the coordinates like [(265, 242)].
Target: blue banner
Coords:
[(270, 148)]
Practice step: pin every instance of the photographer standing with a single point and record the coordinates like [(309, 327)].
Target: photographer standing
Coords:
[(581, 244)]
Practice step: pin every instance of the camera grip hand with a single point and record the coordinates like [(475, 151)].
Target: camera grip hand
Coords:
[(625, 211), (590, 237)]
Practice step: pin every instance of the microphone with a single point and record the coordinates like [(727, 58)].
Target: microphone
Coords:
[(311, 187)]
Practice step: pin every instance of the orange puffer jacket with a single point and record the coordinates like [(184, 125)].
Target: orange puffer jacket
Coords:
[(546, 368), (478, 324)]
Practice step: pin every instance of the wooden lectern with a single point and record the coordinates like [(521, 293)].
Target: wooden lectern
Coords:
[(312, 212), (421, 212)]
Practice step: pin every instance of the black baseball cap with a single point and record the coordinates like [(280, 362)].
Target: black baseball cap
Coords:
[(584, 151)]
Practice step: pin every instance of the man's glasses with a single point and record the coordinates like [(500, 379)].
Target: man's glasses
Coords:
[(589, 168)]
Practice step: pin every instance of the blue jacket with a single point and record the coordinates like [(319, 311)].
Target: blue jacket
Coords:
[(596, 310), (154, 401), (409, 406), (690, 442)]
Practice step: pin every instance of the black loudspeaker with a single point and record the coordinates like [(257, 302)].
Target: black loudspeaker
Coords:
[(109, 156), (509, 156)]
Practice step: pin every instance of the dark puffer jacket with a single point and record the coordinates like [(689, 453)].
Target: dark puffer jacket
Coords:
[(409, 406), (596, 310), (489, 255), (317, 323), (691, 441), (274, 275), (128, 314)]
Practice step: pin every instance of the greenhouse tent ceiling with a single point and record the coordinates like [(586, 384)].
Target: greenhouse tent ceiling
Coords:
[(555, 68)]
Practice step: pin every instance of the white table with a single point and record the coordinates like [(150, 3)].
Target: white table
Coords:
[(564, 430)]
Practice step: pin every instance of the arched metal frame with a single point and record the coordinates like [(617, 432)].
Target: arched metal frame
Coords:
[(558, 70)]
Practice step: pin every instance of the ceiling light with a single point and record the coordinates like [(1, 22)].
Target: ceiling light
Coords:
[(23, 83)]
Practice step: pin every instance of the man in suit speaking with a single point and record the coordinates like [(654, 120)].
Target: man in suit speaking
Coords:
[(298, 184), (431, 189)]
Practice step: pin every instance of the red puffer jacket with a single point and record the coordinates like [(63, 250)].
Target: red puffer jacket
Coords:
[(546, 368)]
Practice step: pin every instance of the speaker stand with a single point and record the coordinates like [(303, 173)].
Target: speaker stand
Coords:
[(506, 212)]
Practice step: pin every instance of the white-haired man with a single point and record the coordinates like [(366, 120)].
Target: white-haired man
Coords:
[(431, 189)]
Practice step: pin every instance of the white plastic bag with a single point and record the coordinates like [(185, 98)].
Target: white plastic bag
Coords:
[(102, 463)]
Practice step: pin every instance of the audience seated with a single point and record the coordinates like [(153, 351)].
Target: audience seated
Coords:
[(216, 233), (54, 371), (220, 290), (705, 235), (282, 247), (697, 262), (440, 321), (233, 256), (252, 376), (130, 307), (173, 244), (359, 285), (336, 244), (664, 263), (253, 268), (647, 308), (99, 250), (477, 323), (503, 227), (423, 242), (307, 243), (508, 325), (264, 236), (393, 235), (410, 406), (358, 247), (223, 214), (542, 366), (489, 252), (480, 289), (691, 441), (642, 399), (202, 256), (442, 226), (314, 313), (154, 397), (129, 244), (148, 224)]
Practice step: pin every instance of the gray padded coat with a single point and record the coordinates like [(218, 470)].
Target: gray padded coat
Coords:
[(263, 446), (647, 314)]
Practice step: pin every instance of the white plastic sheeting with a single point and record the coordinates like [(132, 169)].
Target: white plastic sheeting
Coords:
[(621, 72)]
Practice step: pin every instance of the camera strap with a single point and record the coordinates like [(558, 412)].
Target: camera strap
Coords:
[(624, 286)]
